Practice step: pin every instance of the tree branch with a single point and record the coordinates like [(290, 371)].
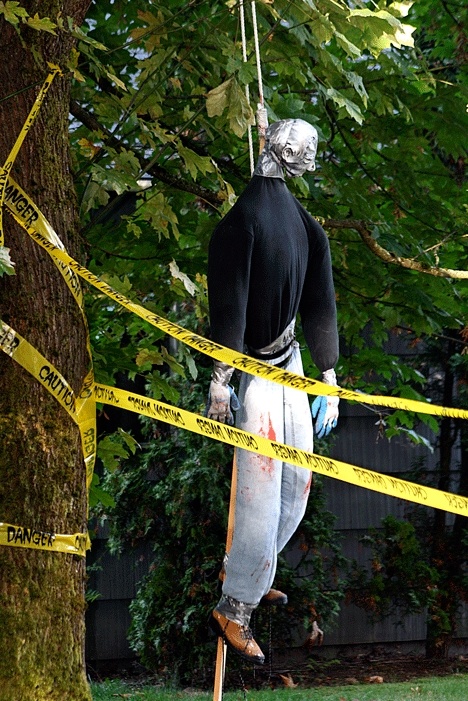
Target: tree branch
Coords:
[(382, 253), (214, 199)]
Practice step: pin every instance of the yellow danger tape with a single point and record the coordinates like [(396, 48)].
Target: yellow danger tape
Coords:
[(359, 476), (239, 360), (5, 170), (31, 360), (83, 408), (21, 537), (28, 215)]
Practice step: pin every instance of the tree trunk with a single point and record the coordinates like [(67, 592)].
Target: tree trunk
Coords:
[(41, 463)]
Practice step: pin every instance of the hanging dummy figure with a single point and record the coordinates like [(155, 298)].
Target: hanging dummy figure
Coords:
[(269, 260)]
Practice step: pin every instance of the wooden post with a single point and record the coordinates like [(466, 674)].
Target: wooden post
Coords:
[(220, 670), (221, 650)]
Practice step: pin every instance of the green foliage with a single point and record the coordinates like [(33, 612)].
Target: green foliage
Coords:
[(98, 496), (400, 581), (15, 14), (7, 266), (405, 578), (229, 96), (112, 447), (12, 11), (41, 24)]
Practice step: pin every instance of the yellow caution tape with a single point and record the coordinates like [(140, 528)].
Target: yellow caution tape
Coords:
[(359, 476), (21, 537), (31, 360), (239, 360), (86, 420), (22, 352), (5, 170), (82, 409), (29, 216), (27, 356)]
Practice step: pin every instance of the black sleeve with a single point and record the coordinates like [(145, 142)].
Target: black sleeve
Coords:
[(229, 259), (317, 306)]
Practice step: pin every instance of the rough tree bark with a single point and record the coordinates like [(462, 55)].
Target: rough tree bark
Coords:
[(42, 473)]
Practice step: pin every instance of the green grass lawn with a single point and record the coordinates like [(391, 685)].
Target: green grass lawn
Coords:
[(452, 688)]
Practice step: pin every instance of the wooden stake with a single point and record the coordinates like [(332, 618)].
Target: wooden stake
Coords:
[(221, 650), (220, 670)]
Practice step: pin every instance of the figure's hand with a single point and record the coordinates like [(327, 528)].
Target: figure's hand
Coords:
[(221, 398), (325, 414), (325, 409)]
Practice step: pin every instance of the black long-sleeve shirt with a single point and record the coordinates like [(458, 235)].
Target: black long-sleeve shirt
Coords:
[(268, 259)]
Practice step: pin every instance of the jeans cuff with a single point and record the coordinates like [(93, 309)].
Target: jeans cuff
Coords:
[(235, 611)]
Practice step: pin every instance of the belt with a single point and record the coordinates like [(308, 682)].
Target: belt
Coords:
[(279, 351)]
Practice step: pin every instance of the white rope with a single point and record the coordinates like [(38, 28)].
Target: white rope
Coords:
[(257, 54), (262, 114), (247, 92)]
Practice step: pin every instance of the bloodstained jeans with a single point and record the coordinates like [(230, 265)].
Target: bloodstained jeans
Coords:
[(271, 495)]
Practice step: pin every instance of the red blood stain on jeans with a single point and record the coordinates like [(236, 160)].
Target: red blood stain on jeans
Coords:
[(267, 431), (307, 487), (271, 430), (265, 568)]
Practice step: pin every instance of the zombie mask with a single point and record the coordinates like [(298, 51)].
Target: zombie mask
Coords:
[(290, 144)]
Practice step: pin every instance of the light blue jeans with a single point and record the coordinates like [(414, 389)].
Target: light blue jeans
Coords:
[(271, 495)]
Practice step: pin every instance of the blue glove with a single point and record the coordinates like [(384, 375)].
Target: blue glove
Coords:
[(235, 403), (325, 415)]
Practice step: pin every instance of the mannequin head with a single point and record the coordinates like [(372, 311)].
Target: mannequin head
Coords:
[(290, 144)]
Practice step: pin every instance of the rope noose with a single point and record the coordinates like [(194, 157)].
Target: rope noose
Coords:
[(262, 114)]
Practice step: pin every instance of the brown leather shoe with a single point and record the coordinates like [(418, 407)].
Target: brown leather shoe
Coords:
[(238, 638), (274, 597)]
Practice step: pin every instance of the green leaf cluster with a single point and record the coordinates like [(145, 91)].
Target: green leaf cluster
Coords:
[(7, 266), (16, 14), (397, 556)]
